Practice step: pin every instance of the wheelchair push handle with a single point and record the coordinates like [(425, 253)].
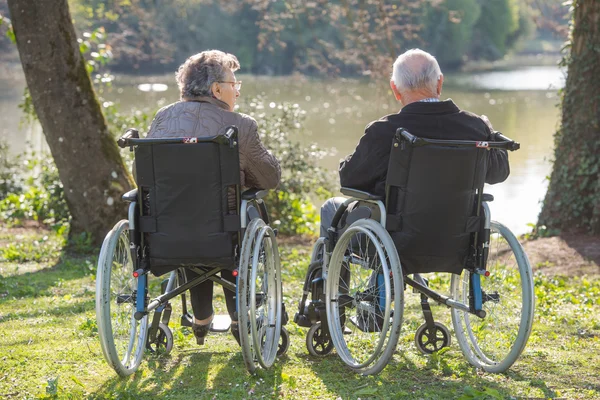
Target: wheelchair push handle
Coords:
[(511, 144), (132, 138), (129, 134), (499, 141)]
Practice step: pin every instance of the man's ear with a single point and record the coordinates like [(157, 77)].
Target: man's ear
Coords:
[(215, 89), (440, 84), (395, 90)]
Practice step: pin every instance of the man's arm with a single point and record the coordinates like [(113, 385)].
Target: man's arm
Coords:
[(498, 167), (262, 169), (367, 166)]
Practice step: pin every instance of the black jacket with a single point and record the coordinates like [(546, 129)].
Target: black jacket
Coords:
[(366, 168)]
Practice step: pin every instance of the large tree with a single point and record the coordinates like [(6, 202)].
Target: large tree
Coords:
[(572, 203), (88, 161)]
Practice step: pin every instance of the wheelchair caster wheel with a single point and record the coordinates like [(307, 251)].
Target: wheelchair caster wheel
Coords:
[(163, 343), (318, 343), (284, 342), (429, 342)]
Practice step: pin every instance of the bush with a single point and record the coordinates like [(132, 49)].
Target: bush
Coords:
[(39, 196), (10, 177), (290, 207), (34, 191)]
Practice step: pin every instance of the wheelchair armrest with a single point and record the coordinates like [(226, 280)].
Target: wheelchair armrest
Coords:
[(487, 197), (254, 194), (359, 194), (130, 196)]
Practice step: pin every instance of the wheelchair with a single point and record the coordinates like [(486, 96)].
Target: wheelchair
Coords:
[(179, 218), (435, 218)]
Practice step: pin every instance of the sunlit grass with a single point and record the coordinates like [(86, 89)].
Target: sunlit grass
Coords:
[(49, 344)]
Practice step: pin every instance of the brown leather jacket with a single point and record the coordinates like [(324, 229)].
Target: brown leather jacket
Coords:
[(205, 116)]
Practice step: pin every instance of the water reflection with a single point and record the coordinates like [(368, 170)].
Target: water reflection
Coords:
[(527, 78), (338, 110)]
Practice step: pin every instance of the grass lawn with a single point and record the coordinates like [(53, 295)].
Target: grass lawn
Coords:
[(49, 346)]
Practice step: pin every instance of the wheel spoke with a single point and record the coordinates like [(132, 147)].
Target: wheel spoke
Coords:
[(121, 335), (496, 341)]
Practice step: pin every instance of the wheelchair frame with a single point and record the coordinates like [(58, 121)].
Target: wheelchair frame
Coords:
[(256, 242), (326, 315)]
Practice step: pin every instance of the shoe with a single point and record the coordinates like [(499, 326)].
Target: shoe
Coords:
[(200, 332)]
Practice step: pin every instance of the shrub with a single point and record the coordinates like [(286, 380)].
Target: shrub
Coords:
[(10, 178), (35, 192), (290, 207)]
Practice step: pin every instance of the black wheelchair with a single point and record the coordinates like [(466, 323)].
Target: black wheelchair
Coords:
[(435, 219), (181, 217)]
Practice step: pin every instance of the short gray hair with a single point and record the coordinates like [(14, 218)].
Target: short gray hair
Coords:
[(197, 74), (416, 69)]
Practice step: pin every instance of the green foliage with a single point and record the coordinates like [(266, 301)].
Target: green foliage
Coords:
[(89, 327), (38, 248), (280, 37), (10, 33), (492, 32), (82, 243), (39, 197), (540, 231), (290, 206), (485, 394), (449, 29), (98, 54), (291, 213), (10, 179)]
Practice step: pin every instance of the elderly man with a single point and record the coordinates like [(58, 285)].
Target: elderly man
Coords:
[(417, 83)]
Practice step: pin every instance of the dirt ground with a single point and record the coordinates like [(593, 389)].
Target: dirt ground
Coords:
[(570, 255)]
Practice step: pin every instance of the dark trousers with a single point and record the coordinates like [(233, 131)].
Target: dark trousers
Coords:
[(357, 209), (202, 295)]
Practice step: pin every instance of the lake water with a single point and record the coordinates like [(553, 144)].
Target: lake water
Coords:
[(520, 103)]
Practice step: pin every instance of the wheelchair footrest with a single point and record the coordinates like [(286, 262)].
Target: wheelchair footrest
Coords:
[(220, 323)]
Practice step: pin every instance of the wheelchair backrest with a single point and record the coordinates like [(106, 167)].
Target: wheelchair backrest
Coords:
[(432, 202), (183, 186)]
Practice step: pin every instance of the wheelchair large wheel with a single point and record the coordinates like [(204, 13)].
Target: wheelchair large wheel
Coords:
[(365, 297), (259, 296), (494, 342), (123, 338)]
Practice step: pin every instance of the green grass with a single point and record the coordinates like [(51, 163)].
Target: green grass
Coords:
[(49, 346)]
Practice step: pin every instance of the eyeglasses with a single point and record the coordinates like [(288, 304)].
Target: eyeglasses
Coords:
[(237, 84)]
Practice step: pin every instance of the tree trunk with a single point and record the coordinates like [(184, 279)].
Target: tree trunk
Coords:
[(572, 203), (88, 160)]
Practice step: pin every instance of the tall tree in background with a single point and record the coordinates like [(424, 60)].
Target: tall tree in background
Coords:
[(88, 161), (339, 37), (572, 203)]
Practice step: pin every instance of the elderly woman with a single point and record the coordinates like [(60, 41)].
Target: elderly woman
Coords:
[(209, 90)]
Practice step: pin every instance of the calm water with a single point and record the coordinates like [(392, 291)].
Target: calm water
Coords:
[(520, 103)]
